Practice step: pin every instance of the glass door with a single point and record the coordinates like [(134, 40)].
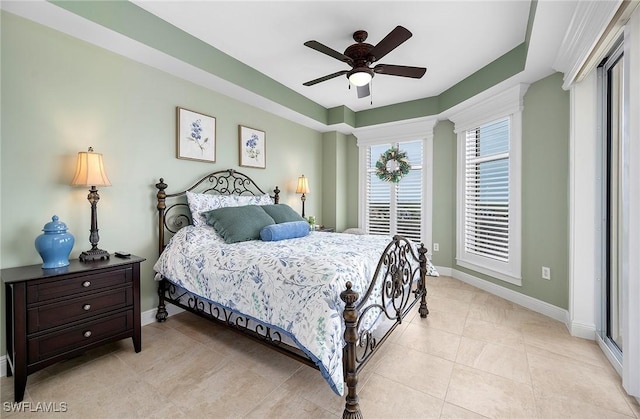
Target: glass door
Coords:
[(612, 73)]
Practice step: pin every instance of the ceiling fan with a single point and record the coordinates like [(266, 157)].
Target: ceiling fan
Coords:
[(361, 55)]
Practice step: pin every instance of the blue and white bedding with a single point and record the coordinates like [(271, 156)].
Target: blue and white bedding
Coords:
[(291, 285)]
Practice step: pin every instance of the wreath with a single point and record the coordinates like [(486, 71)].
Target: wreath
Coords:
[(399, 167)]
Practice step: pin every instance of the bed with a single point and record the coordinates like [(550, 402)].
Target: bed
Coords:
[(328, 309)]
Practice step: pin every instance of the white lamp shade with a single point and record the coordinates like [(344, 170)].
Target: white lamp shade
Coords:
[(303, 185), (90, 170), (360, 78)]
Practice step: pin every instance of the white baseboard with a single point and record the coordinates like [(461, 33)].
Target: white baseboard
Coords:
[(586, 331), (581, 330), (146, 317), (444, 270)]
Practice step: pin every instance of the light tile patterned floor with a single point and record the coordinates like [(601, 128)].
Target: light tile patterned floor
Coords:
[(475, 356)]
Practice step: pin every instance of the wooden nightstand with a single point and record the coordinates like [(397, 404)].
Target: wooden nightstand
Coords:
[(55, 314)]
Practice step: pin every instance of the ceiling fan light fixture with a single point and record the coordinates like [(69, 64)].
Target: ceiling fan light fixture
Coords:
[(361, 55), (360, 76)]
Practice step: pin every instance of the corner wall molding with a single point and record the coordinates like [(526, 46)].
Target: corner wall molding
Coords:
[(588, 24)]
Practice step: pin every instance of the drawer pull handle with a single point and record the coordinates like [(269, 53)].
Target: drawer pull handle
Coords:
[(86, 307), (86, 284), (87, 333)]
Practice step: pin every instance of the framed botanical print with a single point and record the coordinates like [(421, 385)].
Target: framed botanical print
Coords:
[(253, 147), (195, 136)]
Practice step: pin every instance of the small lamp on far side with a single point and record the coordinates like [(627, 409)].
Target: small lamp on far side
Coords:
[(90, 172), (303, 188)]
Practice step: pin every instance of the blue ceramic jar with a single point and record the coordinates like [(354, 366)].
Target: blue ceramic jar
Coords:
[(55, 244)]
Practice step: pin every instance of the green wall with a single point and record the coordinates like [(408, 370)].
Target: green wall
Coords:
[(545, 191), (352, 181), (545, 194), (329, 195), (444, 193), (61, 95), (336, 166)]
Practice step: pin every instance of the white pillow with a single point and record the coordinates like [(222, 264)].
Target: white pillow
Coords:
[(201, 202)]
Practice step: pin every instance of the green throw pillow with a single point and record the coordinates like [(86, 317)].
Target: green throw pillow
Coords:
[(238, 224), (282, 213)]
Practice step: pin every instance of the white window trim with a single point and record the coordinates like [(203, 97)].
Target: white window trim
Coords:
[(631, 269), (506, 104), (418, 129)]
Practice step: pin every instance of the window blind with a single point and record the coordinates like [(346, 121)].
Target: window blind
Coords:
[(486, 194), (378, 195)]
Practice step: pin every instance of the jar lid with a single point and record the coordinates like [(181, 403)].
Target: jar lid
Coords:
[(55, 226)]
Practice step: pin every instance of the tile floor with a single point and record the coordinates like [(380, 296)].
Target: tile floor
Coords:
[(475, 356)]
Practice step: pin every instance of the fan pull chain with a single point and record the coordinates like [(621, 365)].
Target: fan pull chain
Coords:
[(371, 92)]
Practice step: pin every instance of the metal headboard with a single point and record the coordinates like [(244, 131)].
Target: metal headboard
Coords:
[(174, 214)]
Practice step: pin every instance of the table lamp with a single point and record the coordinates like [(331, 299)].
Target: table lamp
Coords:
[(90, 172), (303, 188)]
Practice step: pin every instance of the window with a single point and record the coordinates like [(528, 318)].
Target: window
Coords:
[(406, 207), (488, 204), (395, 208), (486, 193)]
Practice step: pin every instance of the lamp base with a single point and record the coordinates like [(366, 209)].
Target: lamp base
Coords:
[(94, 254)]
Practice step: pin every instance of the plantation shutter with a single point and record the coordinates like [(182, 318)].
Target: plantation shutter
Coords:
[(395, 208), (487, 190), (409, 194), (378, 194)]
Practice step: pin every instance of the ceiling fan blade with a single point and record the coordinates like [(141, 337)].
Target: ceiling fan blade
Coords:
[(390, 42), (329, 51), (363, 91), (400, 70), (325, 78)]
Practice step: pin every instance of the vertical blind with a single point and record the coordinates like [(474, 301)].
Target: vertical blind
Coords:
[(395, 208), (486, 194)]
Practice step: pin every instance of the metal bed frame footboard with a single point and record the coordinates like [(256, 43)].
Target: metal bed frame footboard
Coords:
[(402, 275)]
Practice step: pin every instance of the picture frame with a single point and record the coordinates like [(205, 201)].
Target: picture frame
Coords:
[(253, 147), (195, 136)]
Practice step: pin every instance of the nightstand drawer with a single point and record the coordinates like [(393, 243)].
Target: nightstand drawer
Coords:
[(51, 315), (76, 337), (49, 290)]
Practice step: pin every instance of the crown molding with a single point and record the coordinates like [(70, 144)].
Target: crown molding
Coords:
[(421, 128), (588, 24), (504, 103)]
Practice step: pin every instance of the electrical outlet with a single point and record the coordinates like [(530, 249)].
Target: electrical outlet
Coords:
[(546, 273), (436, 247)]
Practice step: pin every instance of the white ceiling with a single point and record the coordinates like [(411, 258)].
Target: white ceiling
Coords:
[(453, 39)]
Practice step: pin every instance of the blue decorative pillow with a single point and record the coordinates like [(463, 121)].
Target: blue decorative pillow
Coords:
[(283, 231)]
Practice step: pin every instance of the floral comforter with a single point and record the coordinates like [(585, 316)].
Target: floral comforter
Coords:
[(291, 285)]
